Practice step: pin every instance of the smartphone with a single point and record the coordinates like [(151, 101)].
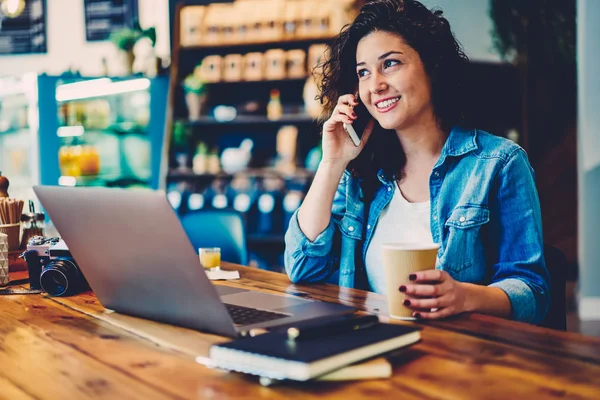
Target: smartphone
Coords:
[(356, 130)]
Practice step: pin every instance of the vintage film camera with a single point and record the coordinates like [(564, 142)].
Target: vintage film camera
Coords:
[(52, 268)]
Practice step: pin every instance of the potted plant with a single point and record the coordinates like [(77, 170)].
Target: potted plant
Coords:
[(125, 39), (180, 140), (195, 94)]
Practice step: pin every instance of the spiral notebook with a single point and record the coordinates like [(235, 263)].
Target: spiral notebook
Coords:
[(274, 356)]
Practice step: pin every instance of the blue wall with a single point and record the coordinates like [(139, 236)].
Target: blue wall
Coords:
[(588, 64)]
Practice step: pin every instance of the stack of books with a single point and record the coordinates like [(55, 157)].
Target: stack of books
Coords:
[(317, 349)]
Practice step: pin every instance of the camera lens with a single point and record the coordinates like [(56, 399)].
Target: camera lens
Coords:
[(57, 275), (58, 283)]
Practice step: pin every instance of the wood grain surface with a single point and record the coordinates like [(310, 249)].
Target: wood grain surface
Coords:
[(73, 348)]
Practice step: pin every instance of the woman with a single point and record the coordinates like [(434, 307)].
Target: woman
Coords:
[(417, 175)]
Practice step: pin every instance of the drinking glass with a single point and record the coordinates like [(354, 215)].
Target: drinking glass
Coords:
[(210, 257)]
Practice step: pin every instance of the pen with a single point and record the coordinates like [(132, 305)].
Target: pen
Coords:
[(332, 327)]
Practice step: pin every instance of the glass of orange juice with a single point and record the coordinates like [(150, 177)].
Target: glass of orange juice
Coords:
[(210, 257)]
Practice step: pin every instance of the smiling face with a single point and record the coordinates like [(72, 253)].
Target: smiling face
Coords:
[(392, 82)]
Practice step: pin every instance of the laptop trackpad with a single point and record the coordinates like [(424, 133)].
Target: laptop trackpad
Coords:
[(261, 301), (223, 290)]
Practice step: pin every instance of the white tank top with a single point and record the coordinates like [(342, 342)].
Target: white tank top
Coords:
[(400, 221)]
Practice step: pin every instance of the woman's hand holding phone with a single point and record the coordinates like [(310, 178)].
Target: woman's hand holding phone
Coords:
[(314, 215), (337, 144)]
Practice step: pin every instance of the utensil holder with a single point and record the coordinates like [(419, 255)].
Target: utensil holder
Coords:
[(14, 235)]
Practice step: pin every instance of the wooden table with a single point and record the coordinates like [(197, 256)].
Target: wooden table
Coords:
[(72, 348)]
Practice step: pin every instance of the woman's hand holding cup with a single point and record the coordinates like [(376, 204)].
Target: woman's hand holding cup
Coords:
[(434, 294), (402, 261)]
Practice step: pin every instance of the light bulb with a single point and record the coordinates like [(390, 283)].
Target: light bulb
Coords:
[(12, 8)]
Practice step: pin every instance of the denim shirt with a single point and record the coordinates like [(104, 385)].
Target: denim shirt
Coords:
[(485, 214)]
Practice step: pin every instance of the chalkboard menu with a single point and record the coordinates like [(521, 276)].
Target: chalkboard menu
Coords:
[(104, 16), (25, 33)]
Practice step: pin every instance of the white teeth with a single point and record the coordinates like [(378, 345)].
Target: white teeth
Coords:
[(387, 103)]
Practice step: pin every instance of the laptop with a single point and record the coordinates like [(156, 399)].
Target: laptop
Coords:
[(139, 261)]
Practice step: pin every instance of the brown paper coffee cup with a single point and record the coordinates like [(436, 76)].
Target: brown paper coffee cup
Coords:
[(399, 261)]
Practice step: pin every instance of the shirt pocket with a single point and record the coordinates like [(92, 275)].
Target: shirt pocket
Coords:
[(351, 227), (463, 245)]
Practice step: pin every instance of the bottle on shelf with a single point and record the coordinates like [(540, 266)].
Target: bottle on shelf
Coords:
[(215, 196), (266, 210), (200, 160), (274, 107), (242, 202), (244, 194), (89, 161), (174, 197), (69, 160), (269, 208), (214, 163), (220, 201), (195, 201), (287, 139)]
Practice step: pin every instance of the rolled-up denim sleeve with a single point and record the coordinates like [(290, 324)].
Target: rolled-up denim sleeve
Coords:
[(521, 269), (307, 261), (312, 261)]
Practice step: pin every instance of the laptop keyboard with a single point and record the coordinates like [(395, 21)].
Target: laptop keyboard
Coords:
[(247, 316)]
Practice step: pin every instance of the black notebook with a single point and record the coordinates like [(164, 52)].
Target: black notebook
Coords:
[(274, 356)]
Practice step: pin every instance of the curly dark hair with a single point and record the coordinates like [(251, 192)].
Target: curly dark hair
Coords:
[(428, 32)]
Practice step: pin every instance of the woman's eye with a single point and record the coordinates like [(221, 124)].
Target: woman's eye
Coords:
[(390, 63), (361, 73)]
